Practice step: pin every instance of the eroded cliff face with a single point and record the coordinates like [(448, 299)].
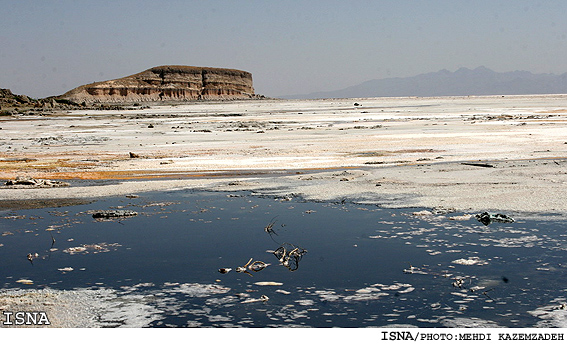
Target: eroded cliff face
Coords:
[(168, 83)]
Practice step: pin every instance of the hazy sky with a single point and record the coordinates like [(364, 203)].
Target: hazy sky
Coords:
[(49, 47)]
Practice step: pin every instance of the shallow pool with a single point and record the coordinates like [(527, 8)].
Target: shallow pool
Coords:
[(352, 266)]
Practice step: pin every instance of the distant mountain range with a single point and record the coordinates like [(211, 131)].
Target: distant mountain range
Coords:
[(462, 82)]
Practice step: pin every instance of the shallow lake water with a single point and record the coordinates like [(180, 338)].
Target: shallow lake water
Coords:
[(355, 265)]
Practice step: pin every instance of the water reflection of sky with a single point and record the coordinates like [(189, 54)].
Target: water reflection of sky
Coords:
[(364, 266)]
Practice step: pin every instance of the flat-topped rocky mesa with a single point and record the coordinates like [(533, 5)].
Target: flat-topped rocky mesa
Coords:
[(168, 83)]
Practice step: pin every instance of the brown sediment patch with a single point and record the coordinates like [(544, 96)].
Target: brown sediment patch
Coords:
[(547, 120), (123, 175), (41, 203), (53, 162), (161, 174), (17, 160), (29, 164), (553, 111), (393, 152), (424, 150), (135, 174)]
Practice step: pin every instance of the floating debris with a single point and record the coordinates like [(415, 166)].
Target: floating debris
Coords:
[(484, 292), (225, 270), (458, 283), (242, 269), (270, 227), (486, 218), (262, 298), (106, 214), (258, 266), (24, 281), (67, 269), (31, 257), (411, 270), (289, 258)]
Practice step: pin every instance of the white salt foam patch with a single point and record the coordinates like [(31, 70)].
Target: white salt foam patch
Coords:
[(199, 290), (552, 315), (468, 323), (470, 261), (268, 283)]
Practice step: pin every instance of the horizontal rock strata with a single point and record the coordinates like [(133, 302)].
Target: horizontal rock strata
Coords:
[(168, 83)]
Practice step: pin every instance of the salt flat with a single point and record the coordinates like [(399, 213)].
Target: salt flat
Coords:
[(394, 152)]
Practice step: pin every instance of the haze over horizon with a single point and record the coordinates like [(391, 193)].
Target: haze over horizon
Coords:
[(290, 47)]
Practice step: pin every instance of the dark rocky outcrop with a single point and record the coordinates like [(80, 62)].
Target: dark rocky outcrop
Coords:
[(107, 214), (9, 100), (167, 83), (11, 104), (35, 183)]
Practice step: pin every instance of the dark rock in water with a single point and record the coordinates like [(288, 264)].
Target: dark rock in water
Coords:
[(106, 214), (32, 182), (487, 218)]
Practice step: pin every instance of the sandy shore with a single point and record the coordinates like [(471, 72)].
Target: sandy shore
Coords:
[(495, 153)]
